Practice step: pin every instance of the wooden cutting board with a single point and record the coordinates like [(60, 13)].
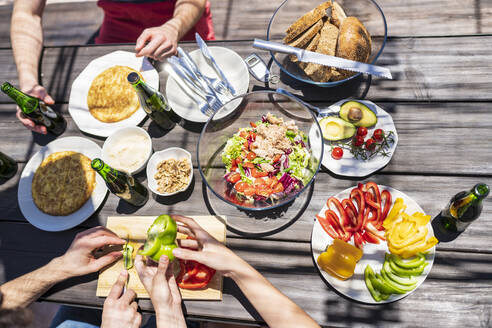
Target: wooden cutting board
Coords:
[(135, 227)]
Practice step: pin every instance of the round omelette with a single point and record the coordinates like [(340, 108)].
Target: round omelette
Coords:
[(111, 97), (63, 183)]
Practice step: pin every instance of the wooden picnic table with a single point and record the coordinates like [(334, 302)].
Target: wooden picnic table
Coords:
[(440, 101)]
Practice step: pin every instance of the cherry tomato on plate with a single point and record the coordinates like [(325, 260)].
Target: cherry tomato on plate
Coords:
[(370, 144), (378, 135), (361, 131), (358, 141), (337, 153)]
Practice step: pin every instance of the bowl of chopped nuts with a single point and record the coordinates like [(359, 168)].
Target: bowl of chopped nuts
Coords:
[(169, 171)]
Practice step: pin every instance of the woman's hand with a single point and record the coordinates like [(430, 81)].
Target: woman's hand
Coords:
[(158, 42), (120, 309), (161, 285), (40, 92), (206, 249), (79, 259)]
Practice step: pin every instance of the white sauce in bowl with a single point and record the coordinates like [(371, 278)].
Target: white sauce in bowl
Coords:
[(128, 152)]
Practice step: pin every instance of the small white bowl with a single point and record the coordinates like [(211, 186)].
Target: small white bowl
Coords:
[(124, 133), (157, 157)]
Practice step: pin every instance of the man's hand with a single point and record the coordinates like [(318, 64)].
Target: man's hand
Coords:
[(40, 92), (163, 290), (206, 249), (158, 42), (120, 309), (80, 260)]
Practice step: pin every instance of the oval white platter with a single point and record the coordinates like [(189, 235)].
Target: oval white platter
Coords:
[(355, 287), (48, 222), (350, 166)]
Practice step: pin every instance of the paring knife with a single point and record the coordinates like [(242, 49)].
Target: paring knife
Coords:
[(326, 60)]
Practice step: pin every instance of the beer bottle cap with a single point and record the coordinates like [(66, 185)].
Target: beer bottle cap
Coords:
[(133, 77)]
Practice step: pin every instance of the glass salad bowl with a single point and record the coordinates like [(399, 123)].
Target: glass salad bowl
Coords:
[(367, 11), (243, 156)]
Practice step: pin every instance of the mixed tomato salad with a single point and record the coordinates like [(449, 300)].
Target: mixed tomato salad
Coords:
[(266, 161)]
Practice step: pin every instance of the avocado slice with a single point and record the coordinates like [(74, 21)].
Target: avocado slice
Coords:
[(358, 114), (334, 128)]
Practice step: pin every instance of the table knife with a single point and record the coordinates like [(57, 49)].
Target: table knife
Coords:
[(326, 60)]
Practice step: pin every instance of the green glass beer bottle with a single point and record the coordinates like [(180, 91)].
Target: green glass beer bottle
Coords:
[(8, 166), (463, 209), (121, 184), (153, 102), (36, 110)]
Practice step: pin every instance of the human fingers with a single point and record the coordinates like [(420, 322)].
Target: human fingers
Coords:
[(197, 230), (137, 321), (128, 296), (171, 52), (117, 288), (149, 49), (185, 230), (104, 261), (173, 287), (28, 123), (143, 272), (141, 40), (186, 254), (163, 49), (188, 243), (40, 92), (160, 276), (134, 305), (104, 240)]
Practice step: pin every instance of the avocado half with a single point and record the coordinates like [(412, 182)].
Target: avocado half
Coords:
[(334, 128), (358, 114)]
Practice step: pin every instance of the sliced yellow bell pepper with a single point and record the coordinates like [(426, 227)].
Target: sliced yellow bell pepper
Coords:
[(398, 206), (339, 259)]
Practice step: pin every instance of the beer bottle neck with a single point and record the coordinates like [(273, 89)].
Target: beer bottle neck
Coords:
[(26, 103), (141, 86), (480, 190), (106, 171)]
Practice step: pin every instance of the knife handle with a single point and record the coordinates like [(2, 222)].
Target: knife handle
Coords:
[(274, 46)]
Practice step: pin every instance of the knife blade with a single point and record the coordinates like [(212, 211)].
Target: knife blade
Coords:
[(326, 60)]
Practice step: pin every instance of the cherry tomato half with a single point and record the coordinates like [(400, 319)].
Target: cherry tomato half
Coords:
[(241, 186), (358, 141), (378, 135), (337, 153), (361, 131), (370, 144), (234, 177), (251, 156)]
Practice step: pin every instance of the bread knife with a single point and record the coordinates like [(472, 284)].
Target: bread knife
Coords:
[(326, 60)]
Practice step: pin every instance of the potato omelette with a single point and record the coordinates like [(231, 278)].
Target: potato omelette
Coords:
[(63, 183), (111, 98)]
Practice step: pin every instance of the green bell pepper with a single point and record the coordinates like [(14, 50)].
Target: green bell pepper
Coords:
[(369, 277), (399, 289), (127, 256), (406, 272), (411, 264), (161, 238), (406, 281)]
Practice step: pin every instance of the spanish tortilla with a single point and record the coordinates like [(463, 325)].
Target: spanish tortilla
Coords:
[(63, 183), (111, 98)]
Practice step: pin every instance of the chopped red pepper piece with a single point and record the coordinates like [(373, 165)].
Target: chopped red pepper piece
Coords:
[(386, 195), (328, 228)]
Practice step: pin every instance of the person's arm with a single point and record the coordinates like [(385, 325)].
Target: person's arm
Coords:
[(274, 307), (77, 261), (163, 40), (26, 36)]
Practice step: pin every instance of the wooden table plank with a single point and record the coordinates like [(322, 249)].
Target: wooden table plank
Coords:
[(431, 192), (456, 279), (448, 131), (427, 69), (64, 23)]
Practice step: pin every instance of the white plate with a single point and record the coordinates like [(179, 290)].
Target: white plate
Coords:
[(173, 152), (77, 106), (48, 222), (348, 165), (234, 69), (355, 287)]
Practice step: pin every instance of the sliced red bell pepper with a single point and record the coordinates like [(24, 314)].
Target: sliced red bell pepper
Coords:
[(358, 240), (344, 219), (374, 205), (370, 238), (328, 228), (373, 231), (350, 210), (375, 189), (194, 275), (386, 195), (358, 196)]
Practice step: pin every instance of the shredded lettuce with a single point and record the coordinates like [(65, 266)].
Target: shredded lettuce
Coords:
[(291, 135), (298, 162), (232, 150), (259, 160)]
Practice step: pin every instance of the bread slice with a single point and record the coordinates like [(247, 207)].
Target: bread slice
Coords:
[(311, 46), (306, 21), (305, 37), (337, 14), (327, 45), (354, 43)]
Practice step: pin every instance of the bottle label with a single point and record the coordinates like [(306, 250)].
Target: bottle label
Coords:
[(459, 207)]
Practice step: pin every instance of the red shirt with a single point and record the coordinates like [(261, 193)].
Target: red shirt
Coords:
[(124, 21)]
